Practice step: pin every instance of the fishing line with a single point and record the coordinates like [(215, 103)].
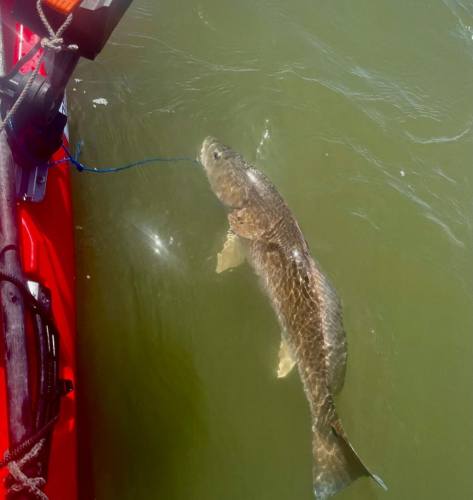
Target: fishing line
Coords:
[(81, 168)]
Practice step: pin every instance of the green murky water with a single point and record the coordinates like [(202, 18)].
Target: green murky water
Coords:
[(361, 114)]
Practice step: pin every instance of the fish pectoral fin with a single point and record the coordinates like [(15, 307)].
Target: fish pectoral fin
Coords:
[(244, 223), (286, 359), (231, 254)]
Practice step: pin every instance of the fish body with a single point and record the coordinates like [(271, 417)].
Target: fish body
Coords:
[(306, 304)]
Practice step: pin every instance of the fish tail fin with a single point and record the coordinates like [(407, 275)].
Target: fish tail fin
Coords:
[(336, 463)]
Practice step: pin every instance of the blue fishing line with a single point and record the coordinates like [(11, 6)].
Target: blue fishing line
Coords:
[(75, 159)]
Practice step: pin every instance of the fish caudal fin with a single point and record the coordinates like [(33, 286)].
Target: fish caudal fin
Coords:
[(336, 464)]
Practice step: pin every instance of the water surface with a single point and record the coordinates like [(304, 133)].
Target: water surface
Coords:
[(361, 114)]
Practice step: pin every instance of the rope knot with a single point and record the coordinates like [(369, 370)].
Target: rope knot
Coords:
[(55, 44), (55, 41), (23, 482)]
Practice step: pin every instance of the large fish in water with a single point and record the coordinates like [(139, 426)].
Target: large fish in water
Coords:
[(263, 229)]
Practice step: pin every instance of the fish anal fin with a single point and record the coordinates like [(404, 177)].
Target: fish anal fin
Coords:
[(244, 223), (231, 255), (286, 359)]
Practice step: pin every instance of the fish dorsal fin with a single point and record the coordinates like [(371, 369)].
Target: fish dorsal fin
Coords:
[(334, 334)]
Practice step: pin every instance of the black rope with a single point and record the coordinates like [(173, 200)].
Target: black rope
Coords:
[(31, 299), (20, 450)]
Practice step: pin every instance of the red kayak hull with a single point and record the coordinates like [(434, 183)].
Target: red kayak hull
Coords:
[(47, 251)]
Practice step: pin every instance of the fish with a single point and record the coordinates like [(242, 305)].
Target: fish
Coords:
[(264, 232)]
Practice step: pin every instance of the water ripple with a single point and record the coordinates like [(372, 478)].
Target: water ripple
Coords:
[(408, 190), (365, 217), (438, 140), (192, 59), (446, 229)]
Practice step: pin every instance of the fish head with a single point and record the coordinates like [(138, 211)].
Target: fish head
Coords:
[(226, 170)]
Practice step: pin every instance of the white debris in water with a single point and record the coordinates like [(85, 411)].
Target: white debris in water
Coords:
[(88, 277), (202, 17), (74, 89), (84, 91), (94, 105), (77, 80), (265, 136), (100, 100), (403, 173)]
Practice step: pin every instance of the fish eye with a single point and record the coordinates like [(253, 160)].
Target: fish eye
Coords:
[(217, 155)]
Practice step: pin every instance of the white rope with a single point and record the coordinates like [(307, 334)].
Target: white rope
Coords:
[(54, 43), (23, 482)]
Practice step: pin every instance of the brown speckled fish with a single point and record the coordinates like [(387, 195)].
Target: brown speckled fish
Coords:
[(264, 231)]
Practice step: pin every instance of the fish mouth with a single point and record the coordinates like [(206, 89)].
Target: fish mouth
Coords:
[(208, 143)]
